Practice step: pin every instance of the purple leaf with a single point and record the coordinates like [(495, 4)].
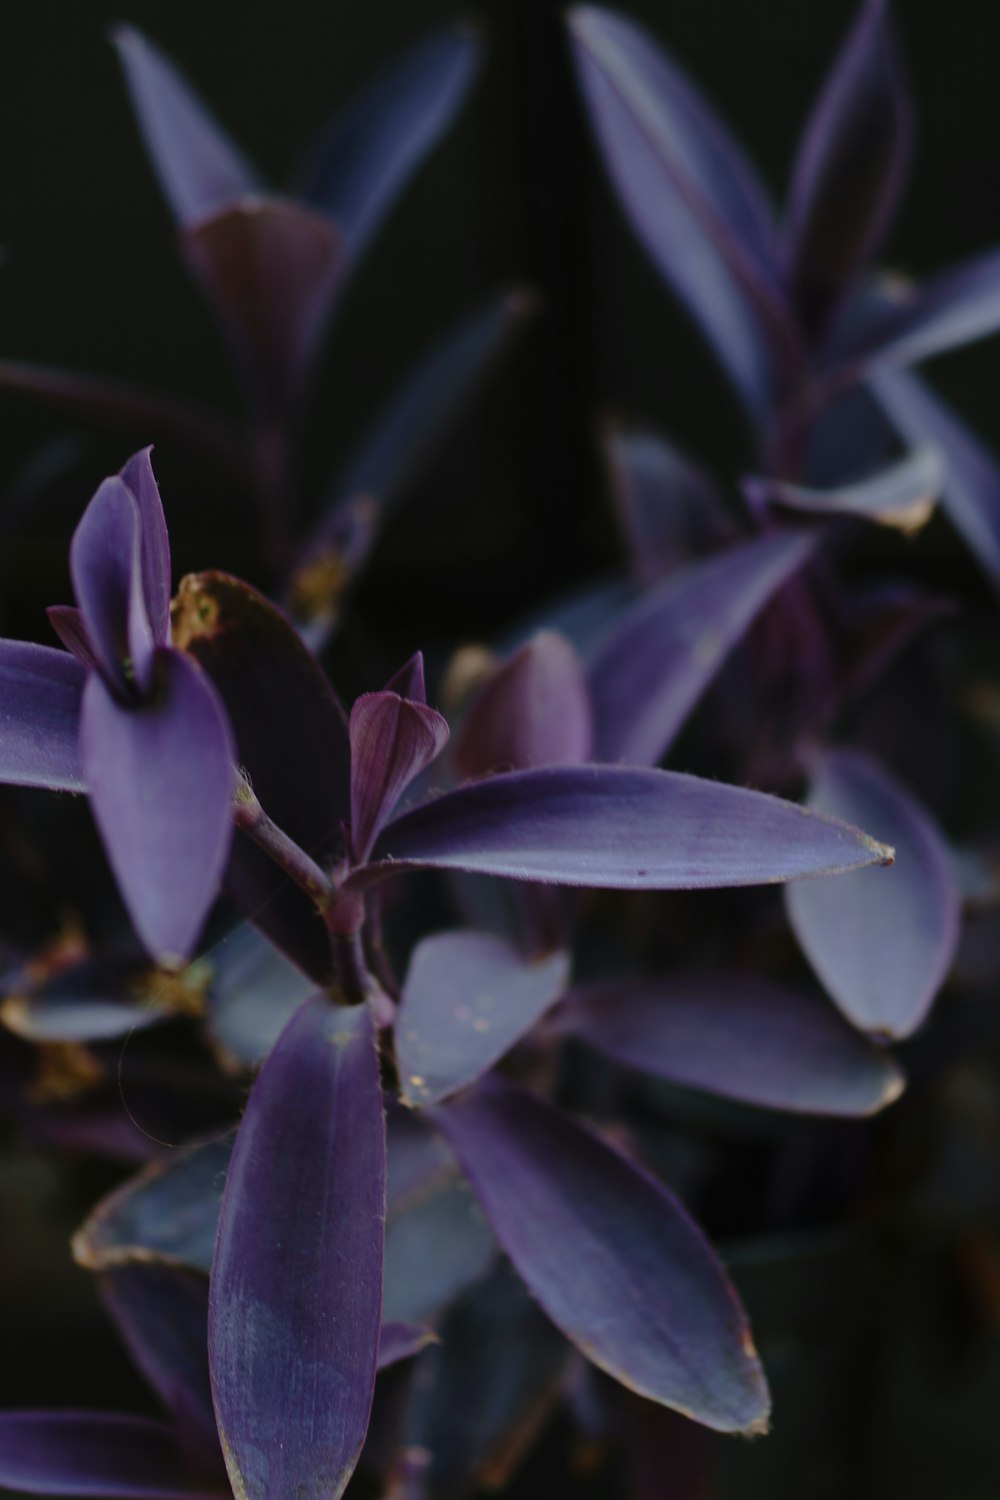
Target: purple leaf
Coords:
[(410, 681), (392, 453), (692, 198), (120, 405), (467, 998), (953, 308), (610, 1255), (651, 668), (435, 1249), (271, 270), (533, 711), (392, 741), (154, 543), (851, 165), (161, 1312), (619, 827), (374, 145), (669, 508), (902, 496), (399, 1341), (106, 567), (971, 486), (882, 948), (161, 779), (168, 1212), (96, 1000), (41, 692), (294, 1318), (199, 167), (254, 991), (94, 1453), (68, 623), (737, 1036), (291, 736)]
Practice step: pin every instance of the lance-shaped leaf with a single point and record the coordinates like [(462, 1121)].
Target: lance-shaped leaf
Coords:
[(668, 507), (882, 948), (467, 998), (610, 1255), (902, 496), (161, 1312), (167, 1213), (95, 1453), (200, 169), (161, 780), (68, 623), (294, 1317), (97, 1000), (41, 693), (851, 165), (533, 711), (650, 669), (953, 308), (971, 485), (692, 198), (253, 993), (392, 452), (291, 736), (271, 270), (375, 144), (741, 1037), (487, 1390), (619, 827), (106, 567), (393, 739), (154, 543)]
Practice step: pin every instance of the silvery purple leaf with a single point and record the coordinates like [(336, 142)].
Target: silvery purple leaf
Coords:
[(437, 1245), (534, 710), (399, 1341), (392, 741), (882, 948), (294, 1318), (41, 691), (467, 998), (618, 827), (68, 623), (95, 1453), (161, 777), (271, 270), (375, 144), (650, 669), (161, 1312), (154, 543), (971, 486), (487, 1391), (95, 1000), (669, 508), (953, 308), (106, 568), (142, 413), (253, 994), (902, 496), (391, 453), (737, 1036), (692, 198), (851, 165), (200, 169), (610, 1255), (291, 736), (168, 1212)]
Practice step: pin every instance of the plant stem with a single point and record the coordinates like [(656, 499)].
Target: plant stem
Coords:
[(286, 853)]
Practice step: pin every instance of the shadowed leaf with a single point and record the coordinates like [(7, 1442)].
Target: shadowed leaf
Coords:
[(41, 692), (95, 1453)]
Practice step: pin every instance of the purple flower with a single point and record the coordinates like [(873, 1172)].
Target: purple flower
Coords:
[(128, 719)]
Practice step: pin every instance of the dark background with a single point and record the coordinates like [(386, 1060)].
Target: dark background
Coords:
[(516, 504)]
